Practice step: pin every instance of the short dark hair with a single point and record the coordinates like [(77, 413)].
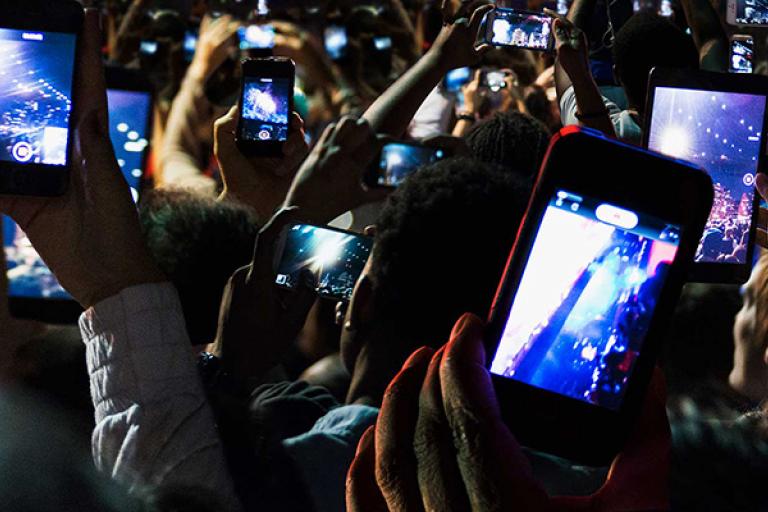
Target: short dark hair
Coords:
[(442, 242), (198, 243), (511, 139), (648, 40)]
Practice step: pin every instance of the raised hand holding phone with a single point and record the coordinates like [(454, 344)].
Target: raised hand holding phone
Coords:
[(90, 236)]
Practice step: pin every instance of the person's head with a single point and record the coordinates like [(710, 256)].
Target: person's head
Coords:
[(441, 244), (750, 335), (644, 42), (198, 243), (513, 140)]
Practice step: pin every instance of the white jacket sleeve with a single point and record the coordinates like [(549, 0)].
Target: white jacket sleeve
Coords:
[(154, 426)]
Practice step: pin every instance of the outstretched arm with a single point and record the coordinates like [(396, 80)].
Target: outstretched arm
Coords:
[(454, 48)]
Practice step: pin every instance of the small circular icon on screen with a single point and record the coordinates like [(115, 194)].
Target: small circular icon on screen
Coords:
[(264, 135), (22, 152), (749, 179)]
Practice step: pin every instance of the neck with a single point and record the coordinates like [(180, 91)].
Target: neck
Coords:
[(373, 372)]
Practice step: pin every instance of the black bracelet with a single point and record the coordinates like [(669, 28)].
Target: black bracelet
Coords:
[(594, 115), (215, 379), (466, 117)]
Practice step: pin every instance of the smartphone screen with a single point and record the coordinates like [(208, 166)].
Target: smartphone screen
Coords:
[(521, 29), (190, 45), (336, 41), (722, 133), (456, 79), (36, 77), (265, 112), (130, 114), (336, 258), (257, 37), (382, 44), (586, 299), (742, 54), (751, 12), (399, 160), (495, 80), (150, 48)]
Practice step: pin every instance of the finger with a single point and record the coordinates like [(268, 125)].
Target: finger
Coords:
[(363, 493), (639, 477), (296, 122), (300, 301), (491, 462), (90, 82), (396, 471), (761, 238), (761, 182), (349, 131), (266, 246), (477, 17), (482, 49), (370, 231), (224, 134), (439, 476)]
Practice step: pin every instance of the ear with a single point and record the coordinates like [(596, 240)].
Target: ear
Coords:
[(360, 307)]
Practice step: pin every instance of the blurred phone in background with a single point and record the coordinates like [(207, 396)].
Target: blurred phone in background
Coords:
[(742, 54), (494, 79), (336, 41), (749, 13), (383, 43), (456, 79), (257, 37), (190, 45), (398, 160), (148, 47)]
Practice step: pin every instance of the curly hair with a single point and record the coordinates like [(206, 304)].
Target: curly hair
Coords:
[(198, 243), (442, 242), (511, 139)]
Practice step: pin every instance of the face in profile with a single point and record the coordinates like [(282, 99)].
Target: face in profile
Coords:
[(749, 375)]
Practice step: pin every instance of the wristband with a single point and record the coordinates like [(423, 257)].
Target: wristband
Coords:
[(466, 116)]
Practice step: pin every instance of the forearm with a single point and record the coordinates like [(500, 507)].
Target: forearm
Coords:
[(580, 13), (129, 25), (180, 154), (391, 113), (154, 426), (591, 105), (708, 34)]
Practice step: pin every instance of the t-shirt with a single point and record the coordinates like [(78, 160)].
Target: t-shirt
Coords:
[(624, 123)]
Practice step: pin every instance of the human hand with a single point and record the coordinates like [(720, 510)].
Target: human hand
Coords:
[(451, 10), (214, 45), (572, 46), (258, 321), (89, 237), (440, 444), (330, 181), (260, 183), (546, 80), (472, 93), (455, 47), (761, 183)]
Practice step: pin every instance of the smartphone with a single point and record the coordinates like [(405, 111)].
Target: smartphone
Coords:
[(591, 281), (190, 45), (742, 54), (398, 160), (33, 290), (749, 13), (456, 79), (257, 37), (150, 48), (494, 79), (266, 103), (336, 41), (519, 29), (716, 121), (39, 42), (383, 43), (335, 257), (665, 9)]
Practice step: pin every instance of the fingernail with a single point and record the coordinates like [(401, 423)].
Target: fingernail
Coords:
[(420, 357)]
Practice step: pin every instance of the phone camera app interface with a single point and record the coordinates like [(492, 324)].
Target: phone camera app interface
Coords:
[(336, 259), (586, 299), (35, 96), (722, 133), (266, 109), (521, 29)]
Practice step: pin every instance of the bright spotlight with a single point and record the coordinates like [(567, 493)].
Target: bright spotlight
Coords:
[(328, 252), (675, 142)]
